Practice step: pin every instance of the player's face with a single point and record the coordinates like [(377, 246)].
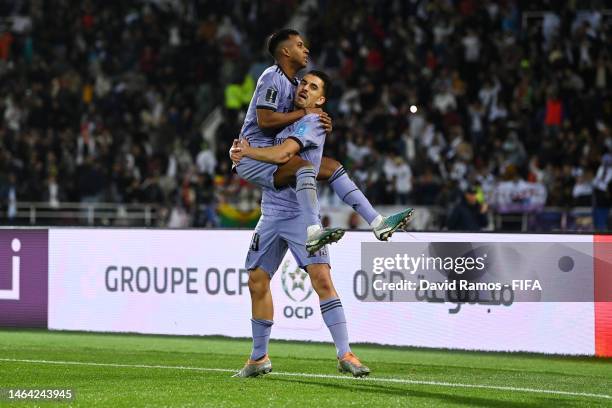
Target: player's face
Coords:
[(298, 52), (309, 93)]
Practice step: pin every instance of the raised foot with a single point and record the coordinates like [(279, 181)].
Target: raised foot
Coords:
[(393, 223), (322, 237)]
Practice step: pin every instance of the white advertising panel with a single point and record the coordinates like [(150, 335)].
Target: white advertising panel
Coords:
[(193, 282)]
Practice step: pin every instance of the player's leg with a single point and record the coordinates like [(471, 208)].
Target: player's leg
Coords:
[(262, 312), (317, 266), (305, 177), (333, 316), (265, 255), (331, 307), (261, 324), (339, 181), (304, 174)]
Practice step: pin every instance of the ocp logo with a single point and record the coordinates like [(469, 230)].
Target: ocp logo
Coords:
[(295, 284), (297, 288), (13, 292)]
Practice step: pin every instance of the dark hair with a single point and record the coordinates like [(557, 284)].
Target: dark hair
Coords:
[(323, 77), (278, 37)]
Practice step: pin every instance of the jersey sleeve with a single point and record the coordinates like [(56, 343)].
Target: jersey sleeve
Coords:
[(267, 92), (307, 132)]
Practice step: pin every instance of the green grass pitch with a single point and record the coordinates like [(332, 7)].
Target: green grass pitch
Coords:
[(120, 370)]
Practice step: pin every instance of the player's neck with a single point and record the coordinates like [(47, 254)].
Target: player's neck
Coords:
[(288, 69)]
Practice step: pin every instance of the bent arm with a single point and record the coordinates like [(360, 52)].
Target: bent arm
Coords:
[(279, 154), (269, 119)]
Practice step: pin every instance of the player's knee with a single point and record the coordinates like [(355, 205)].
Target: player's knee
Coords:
[(258, 285), (257, 289), (332, 164), (305, 165), (328, 168), (323, 285)]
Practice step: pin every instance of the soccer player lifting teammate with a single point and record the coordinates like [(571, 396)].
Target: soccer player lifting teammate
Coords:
[(283, 226), (270, 110)]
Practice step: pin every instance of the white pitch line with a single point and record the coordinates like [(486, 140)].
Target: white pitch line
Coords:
[(326, 376)]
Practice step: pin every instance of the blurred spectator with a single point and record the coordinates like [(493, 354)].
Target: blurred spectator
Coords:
[(468, 214), (427, 188), (583, 189), (204, 208), (91, 181), (353, 221), (325, 221), (8, 197), (601, 193), (398, 172), (554, 111), (206, 160), (53, 194)]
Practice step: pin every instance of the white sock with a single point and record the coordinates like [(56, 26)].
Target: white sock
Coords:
[(376, 221), (311, 229)]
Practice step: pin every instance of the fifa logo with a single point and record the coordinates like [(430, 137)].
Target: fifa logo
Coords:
[(13, 293)]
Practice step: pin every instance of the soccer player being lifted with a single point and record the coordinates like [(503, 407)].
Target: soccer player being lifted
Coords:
[(283, 226), (270, 110)]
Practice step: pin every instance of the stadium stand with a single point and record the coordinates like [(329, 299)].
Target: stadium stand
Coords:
[(105, 103)]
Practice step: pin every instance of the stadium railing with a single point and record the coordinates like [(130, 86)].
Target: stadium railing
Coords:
[(77, 213), (550, 219)]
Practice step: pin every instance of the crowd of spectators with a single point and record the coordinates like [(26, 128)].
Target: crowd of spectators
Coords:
[(435, 97), (104, 101)]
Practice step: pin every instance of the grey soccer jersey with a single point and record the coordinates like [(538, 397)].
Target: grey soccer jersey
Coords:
[(310, 135), (274, 91), (282, 225)]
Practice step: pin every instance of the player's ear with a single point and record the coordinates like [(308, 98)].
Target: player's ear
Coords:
[(321, 101), (285, 51)]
